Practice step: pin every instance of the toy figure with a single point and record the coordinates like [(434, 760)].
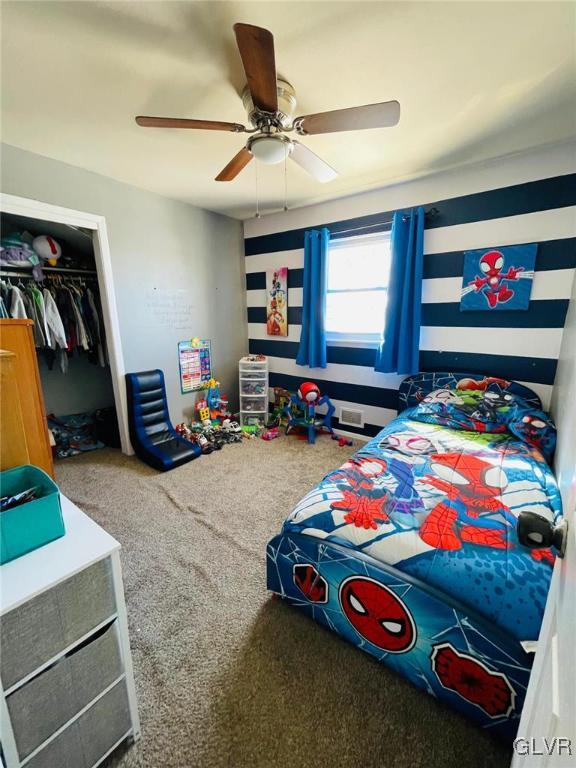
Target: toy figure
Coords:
[(306, 401), (275, 320), (202, 410), (217, 403), (472, 487), (483, 384), (309, 392), (496, 289)]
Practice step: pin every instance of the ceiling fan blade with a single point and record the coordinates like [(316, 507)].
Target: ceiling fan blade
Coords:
[(383, 115), (312, 164), (256, 47), (235, 165), (181, 122)]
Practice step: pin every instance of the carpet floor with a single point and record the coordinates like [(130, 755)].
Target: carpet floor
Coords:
[(226, 676)]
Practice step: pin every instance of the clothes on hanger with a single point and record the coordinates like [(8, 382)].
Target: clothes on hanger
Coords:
[(67, 317), (17, 308), (54, 321)]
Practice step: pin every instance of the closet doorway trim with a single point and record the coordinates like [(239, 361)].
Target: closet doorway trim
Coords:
[(34, 209)]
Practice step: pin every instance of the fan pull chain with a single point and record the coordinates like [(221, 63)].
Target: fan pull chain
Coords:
[(285, 184), (257, 215)]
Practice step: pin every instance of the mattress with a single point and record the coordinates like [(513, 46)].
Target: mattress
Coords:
[(436, 495)]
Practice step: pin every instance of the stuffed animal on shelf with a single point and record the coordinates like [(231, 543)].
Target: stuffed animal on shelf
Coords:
[(47, 248)]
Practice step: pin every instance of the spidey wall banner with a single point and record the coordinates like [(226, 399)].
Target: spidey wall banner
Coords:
[(498, 278)]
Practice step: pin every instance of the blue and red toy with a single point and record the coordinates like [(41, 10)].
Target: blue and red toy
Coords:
[(301, 411)]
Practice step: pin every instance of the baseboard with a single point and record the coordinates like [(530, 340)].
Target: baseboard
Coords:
[(352, 435)]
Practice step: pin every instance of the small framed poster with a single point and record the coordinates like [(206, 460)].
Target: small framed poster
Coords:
[(498, 278), (194, 357), (277, 302)]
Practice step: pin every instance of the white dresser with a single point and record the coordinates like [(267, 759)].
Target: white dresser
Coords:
[(67, 686)]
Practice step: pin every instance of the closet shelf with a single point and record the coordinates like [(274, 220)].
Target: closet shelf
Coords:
[(12, 271)]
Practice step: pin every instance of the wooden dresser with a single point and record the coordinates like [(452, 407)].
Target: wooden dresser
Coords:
[(16, 336)]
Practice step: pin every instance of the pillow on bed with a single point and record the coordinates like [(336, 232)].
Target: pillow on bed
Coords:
[(488, 411)]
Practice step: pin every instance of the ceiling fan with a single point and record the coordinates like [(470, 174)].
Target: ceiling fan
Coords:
[(270, 103)]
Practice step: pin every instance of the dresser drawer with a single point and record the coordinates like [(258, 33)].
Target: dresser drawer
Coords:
[(38, 630), (90, 737), (46, 702), (65, 751)]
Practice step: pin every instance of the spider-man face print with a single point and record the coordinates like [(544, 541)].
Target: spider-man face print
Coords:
[(473, 681), (377, 614)]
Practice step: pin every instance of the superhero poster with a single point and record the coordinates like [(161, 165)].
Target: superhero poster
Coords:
[(498, 278), (277, 302)]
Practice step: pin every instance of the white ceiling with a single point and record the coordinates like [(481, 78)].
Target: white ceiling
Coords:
[(475, 80)]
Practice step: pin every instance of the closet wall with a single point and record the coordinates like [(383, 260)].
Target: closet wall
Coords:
[(526, 198), (177, 269)]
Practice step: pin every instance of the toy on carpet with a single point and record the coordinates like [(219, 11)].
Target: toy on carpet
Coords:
[(270, 433), (301, 411), (195, 437), (342, 441)]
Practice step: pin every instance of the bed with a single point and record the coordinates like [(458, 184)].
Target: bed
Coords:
[(410, 550)]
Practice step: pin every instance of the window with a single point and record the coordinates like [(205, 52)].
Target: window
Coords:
[(358, 271)]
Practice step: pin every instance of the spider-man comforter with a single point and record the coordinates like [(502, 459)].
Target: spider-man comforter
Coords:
[(410, 551)]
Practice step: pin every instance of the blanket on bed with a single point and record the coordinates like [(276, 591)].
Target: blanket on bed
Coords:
[(437, 495)]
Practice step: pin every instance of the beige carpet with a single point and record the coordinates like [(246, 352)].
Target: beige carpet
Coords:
[(227, 676)]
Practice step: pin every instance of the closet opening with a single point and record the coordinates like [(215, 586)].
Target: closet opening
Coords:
[(51, 273)]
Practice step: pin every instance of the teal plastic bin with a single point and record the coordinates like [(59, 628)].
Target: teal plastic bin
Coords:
[(35, 523)]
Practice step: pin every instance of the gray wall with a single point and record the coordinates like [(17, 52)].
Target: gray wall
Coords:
[(178, 270)]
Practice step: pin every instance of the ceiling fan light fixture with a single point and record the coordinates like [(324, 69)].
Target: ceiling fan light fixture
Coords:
[(270, 150)]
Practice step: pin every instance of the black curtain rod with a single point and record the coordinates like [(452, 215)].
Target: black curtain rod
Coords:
[(429, 214)]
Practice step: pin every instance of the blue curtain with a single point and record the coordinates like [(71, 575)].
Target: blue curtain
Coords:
[(312, 349), (399, 350)]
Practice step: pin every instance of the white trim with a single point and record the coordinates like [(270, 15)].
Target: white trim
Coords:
[(352, 435), (7, 738), (125, 642), (112, 748), (35, 209), (365, 340)]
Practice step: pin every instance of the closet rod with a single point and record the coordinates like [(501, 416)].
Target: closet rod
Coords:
[(30, 276), (66, 270)]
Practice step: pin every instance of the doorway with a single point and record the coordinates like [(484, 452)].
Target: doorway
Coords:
[(93, 228)]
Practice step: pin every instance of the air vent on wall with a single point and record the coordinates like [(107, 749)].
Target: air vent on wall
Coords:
[(352, 418)]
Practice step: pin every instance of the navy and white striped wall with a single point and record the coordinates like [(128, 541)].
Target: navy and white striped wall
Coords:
[(521, 345)]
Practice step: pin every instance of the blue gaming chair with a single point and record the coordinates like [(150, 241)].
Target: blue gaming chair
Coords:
[(153, 437)]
